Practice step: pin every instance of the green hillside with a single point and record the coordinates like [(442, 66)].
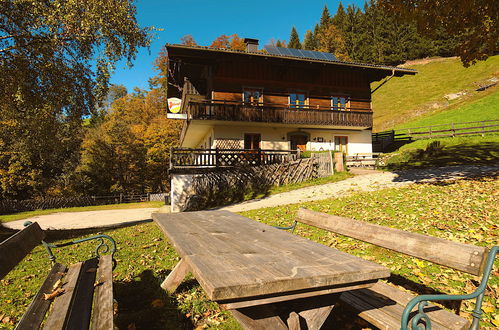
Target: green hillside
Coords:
[(480, 107), (412, 100)]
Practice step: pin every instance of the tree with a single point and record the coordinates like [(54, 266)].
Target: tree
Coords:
[(294, 39), (325, 18), (331, 41), (55, 63), (310, 41), (339, 18), (222, 41), (280, 43), (475, 24), (237, 43), (188, 40)]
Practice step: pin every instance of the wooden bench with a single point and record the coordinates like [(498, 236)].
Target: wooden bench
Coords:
[(388, 307), (363, 159), (79, 294)]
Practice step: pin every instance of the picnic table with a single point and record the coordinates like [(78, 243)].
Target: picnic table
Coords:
[(268, 278)]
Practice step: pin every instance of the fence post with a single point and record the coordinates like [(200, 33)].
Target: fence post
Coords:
[(216, 157), (430, 132), (121, 198), (331, 161), (453, 131), (483, 128)]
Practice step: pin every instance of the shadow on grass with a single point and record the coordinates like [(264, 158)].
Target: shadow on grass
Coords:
[(434, 154), (142, 304)]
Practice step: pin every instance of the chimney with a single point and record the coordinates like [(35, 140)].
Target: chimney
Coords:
[(251, 44)]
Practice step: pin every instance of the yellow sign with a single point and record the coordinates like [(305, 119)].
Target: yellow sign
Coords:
[(174, 104)]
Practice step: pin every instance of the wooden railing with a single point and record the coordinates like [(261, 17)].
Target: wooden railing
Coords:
[(191, 158), (271, 113)]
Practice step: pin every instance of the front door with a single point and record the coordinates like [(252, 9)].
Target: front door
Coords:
[(299, 142), (252, 140)]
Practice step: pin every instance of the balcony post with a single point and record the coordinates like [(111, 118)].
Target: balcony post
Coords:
[(216, 157)]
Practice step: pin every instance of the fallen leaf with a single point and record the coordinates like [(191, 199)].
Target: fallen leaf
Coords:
[(157, 303), (53, 294), (91, 270), (57, 284)]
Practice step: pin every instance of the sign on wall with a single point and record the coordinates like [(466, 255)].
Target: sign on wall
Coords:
[(174, 106)]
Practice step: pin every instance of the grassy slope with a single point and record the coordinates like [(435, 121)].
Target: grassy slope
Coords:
[(29, 214), (481, 107), (465, 150), (402, 99)]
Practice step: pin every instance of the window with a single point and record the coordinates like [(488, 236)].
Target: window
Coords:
[(252, 140), (297, 100), (339, 102), (253, 95), (341, 144)]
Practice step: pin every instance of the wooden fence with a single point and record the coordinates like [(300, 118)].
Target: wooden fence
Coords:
[(325, 163), (228, 186), (451, 130), (15, 206), (200, 158), (391, 140)]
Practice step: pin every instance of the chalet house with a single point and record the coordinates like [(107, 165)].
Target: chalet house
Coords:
[(273, 100)]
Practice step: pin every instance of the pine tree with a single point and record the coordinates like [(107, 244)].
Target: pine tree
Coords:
[(294, 39), (352, 28), (309, 42), (339, 18), (325, 18)]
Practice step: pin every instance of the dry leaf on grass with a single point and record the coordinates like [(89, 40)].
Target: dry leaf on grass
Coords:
[(53, 294)]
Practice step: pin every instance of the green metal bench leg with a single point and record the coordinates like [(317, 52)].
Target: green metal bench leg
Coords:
[(292, 227), (103, 246), (422, 301)]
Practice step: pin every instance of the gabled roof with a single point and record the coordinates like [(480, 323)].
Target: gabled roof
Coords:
[(395, 70)]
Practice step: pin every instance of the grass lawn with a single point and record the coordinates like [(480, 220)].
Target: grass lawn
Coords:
[(401, 99), (463, 211), (29, 214), (465, 150)]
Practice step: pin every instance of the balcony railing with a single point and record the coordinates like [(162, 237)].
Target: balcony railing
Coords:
[(205, 158), (271, 113)]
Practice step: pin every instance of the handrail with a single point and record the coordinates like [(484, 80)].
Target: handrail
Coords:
[(286, 106)]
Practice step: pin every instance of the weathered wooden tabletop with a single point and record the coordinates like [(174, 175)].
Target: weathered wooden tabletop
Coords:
[(234, 257)]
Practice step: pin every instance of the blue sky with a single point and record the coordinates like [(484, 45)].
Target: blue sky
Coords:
[(206, 20)]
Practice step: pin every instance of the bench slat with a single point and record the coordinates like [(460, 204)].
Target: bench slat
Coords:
[(17, 246), (62, 303), (382, 305), (102, 318), (36, 311), (463, 257), (81, 305)]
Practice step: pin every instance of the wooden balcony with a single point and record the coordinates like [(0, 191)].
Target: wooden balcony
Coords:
[(272, 113), (183, 158)]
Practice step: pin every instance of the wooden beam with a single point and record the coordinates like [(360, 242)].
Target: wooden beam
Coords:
[(176, 276), (258, 318), (34, 315), (460, 256), (102, 318), (16, 247), (57, 317)]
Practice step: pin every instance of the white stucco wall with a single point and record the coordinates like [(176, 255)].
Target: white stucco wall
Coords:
[(276, 137)]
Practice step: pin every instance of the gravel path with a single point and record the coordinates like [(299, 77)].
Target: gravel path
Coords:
[(365, 180), (87, 219)]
